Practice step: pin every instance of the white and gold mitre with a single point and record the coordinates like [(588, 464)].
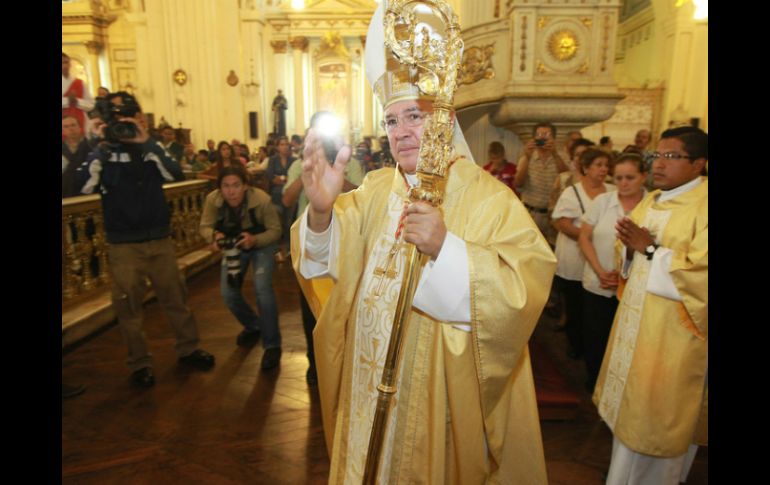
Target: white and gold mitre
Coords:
[(390, 80)]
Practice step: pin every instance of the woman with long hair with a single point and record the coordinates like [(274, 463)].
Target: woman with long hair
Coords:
[(224, 157)]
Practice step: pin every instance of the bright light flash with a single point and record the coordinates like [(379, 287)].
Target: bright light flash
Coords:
[(328, 125), (701, 10)]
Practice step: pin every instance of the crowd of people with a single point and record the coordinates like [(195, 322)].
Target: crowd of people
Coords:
[(624, 235)]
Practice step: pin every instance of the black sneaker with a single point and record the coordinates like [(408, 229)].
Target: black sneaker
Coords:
[(271, 359), (200, 359), (247, 338), (143, 377)]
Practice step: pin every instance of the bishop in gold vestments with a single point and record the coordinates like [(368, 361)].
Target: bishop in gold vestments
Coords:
[(652, 389), (465, 409)]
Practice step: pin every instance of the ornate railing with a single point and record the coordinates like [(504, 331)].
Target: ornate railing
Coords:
[(85, 269)]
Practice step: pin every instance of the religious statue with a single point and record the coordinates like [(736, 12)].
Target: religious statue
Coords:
[(279, 109)]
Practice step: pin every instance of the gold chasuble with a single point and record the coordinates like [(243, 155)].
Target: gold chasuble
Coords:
[(652, 389), (465, 411)]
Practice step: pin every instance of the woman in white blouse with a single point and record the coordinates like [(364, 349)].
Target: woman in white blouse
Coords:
[(572, 204), (597, 243)]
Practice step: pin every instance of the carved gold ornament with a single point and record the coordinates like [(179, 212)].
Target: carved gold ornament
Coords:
[(477, 64), (332, 46), (563, 45), (180, 77)]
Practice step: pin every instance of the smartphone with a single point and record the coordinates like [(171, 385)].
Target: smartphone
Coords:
[(330, 150)]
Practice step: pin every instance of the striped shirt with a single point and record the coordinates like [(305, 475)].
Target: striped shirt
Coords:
[(540, 178)]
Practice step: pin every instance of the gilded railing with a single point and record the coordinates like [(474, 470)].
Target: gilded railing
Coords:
[(84, 245)]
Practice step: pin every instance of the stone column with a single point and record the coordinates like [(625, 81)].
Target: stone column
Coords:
[(94, 48), (368, 126), (298, 47)]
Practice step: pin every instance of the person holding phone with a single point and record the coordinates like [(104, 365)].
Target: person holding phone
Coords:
[(536, 172), (293, 193)]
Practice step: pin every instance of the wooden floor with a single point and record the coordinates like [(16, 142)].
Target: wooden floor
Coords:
[(236, 424)]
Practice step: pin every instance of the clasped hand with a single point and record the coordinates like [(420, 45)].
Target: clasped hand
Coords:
[(424, 227), (633, 236), (608, 279)]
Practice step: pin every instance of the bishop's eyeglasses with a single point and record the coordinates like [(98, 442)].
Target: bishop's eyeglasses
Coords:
[(411, 119)]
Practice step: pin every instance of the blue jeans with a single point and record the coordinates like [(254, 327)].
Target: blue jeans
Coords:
[(262, 262)]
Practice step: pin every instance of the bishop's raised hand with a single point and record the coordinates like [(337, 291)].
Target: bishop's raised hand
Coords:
[(321, 180)]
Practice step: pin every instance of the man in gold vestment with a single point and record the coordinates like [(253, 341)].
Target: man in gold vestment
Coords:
[(465, 410), (652, 389)]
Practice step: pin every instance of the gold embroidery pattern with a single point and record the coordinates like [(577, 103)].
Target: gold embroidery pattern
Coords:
[(374, 317), (630, 316)]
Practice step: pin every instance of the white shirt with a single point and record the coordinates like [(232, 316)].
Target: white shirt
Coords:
[(570, 260), (604, 213)]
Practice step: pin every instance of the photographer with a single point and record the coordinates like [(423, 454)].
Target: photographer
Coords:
[(129, 170), (242, 221), (536, 172)]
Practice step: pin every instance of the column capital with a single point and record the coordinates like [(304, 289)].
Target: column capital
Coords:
[(93, 47), (299, 43), (279, 46)]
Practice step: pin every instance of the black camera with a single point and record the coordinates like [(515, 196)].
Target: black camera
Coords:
[(232, 259), (540, 143), (116, 130)]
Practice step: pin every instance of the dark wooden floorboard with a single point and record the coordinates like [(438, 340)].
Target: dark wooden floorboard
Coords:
[(237, 424)]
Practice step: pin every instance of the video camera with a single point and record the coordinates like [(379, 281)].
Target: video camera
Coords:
[(116, 130)]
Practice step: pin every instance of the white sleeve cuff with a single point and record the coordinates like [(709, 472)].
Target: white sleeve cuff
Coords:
[(316, 248), (660, 282), (444, 290)]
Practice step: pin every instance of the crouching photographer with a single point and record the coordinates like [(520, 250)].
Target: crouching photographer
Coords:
[(242, 222)]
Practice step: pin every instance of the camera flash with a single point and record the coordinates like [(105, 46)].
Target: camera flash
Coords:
[(328, 125)]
